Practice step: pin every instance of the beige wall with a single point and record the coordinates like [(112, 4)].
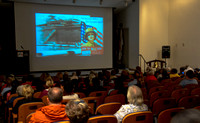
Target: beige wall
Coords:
[(184, 32), (153, 28)]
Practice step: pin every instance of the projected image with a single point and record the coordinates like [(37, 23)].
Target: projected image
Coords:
[(63, 34)]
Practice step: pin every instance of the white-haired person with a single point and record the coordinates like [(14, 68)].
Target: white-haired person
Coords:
[(136, 103)]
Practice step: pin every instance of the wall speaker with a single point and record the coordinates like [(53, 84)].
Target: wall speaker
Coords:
[(165, 51)]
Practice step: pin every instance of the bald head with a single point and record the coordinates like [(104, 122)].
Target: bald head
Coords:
[(55, 95)]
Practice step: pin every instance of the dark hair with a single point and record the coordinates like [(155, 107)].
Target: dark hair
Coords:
[(68, 86), (174, 70), (190, 74), (77, 111), (187, 116), (55, 95)]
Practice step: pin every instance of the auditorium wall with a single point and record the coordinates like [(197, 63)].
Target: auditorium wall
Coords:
[(184, 32), (153, 28)]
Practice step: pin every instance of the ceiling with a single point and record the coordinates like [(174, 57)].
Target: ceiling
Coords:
[(117, 4)]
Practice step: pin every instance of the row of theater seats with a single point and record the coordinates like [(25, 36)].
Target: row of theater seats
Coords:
[(94, 100)]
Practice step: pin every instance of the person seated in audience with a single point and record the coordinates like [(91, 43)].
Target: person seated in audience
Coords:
[(187, 116), (66, 76), (189, 79), (19, 92), (113, 74), (138, 68), (49, 84), (163, 75), (8, 86), (197, 74), (43, 76), (135, 99), (59, 75), (77, 111), (74, 76), (27, 91), (67, 87), (136, 79), (150, 75), (181, 73), (55, 111), (174, 73)]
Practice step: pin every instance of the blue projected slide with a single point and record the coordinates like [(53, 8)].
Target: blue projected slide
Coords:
[(64, 34)]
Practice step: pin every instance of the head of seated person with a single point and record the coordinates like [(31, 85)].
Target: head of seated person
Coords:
[(134, 95), (189, 74), (55, 96), (19, 90), (27, 91), (187, 116), (77, 111), (49, 83)]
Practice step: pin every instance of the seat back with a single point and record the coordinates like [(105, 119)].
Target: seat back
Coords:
[(103, 119), (195, 91), (166, 115), (101, 94), (197, 107), (162, 104), (108, 108), (191, 86), (12, 95), (179, 93), (189, 101), (116, 98), (36, 94), (28, 117), (44, 100), (173, 87), (154, 89), (16, 100), (139, 117), (92, 102), (27, 108), (113, 92), (158, 94)]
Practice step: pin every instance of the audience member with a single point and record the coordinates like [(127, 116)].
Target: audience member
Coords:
[(189, 79), (174, 73), (187, 116), (27, 92), (19, 92), (150, 75), (77, 111), (74, 76), (49, 84), (65, 76), (55, 111), (8, 86), (135, 99), (67, 87)]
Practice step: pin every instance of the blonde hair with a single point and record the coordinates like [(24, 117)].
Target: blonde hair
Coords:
[(27, 91), (134, 95), (49, 82)]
